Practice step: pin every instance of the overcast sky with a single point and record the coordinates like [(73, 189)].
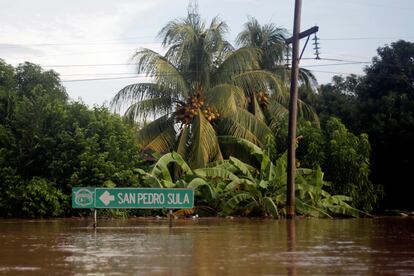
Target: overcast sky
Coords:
[(71, 36)]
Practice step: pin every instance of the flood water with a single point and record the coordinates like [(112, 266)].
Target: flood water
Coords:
[(208, 247)]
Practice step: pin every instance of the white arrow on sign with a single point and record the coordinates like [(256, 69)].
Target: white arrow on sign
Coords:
[(106, 198)]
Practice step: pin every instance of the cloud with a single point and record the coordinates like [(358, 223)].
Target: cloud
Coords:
[(49, 21), (16, 51)]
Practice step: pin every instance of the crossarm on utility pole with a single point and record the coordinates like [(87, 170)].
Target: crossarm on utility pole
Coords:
[(303, 34)]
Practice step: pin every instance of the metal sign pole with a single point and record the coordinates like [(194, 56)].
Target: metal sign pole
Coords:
[(95, 221), (170, 216)]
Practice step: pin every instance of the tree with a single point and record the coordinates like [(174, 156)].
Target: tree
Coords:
[(386, 113), (270, 40), (198, 91), (49, 144), (381, 104), (339, 99)]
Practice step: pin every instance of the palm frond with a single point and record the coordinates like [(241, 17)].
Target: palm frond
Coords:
[(205, 147), (158, 135), (307, 79), (245, 125), (257, 110), (225, 98), (182, 146), (214, 41), (137, 92), (258, 80), (242, 60), (139, 111), (162, 70), (279, 110), (269, 38)]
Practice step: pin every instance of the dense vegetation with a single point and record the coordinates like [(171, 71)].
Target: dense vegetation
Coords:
[(219, 126), (49, 144), (381, 104)]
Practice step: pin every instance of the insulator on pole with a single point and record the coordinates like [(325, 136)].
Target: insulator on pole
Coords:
[(287, 57), (316, 47)]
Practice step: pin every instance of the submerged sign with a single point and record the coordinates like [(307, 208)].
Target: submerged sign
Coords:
[(145, 198), (83, 197)]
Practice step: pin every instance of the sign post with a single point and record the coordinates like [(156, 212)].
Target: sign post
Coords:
[(132, 198)]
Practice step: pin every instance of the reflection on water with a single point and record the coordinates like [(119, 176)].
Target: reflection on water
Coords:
[(291, 246), (208, 247)]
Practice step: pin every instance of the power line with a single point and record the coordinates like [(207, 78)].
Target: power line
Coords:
[(88, 65), (101, 79), (135, 74), (172, 74), (93, 42), (364, 38), (134, 64), (335, 64), (125, 41), (337, 73), (96, 74)]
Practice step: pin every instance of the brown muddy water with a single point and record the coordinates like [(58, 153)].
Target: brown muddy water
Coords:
[(208, 247)]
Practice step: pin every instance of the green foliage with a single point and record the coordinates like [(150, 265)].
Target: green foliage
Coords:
[(381, 104), (386, 113), (200, 72), (348, 165), (39, 198), (232, 187), (31, 199), (345, 159), (270, 183), (49, 144), (313, 199), (338, 99)]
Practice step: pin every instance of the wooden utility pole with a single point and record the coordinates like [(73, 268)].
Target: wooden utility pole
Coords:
[(293, 111)]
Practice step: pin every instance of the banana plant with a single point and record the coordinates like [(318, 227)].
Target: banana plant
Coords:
[(267, 185)]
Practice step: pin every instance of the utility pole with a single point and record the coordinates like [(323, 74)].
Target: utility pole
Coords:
[(293, 111)]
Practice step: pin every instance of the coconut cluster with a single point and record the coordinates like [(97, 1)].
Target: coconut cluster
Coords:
[(263, 98), (211, 114), (185, 112)]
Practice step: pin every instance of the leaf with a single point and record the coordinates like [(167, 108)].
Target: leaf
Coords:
[(215, 173), (161, 167), (242, 167), (230, 205), (270, 206), (264, 184), (205, 147), (242, 60), (244, 125), (226, 98), (165, 73), (159, 135), (197, 183), (182, 146)]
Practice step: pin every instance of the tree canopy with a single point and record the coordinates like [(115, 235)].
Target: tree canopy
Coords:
[(381, 104), (200, 89), (49, 144)]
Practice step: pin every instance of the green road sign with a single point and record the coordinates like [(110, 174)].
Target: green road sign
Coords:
[(145, 198), (83, 197)]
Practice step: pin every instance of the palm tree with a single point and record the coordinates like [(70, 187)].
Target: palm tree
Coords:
[(197, 92), (269, 38), (271, 41)]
